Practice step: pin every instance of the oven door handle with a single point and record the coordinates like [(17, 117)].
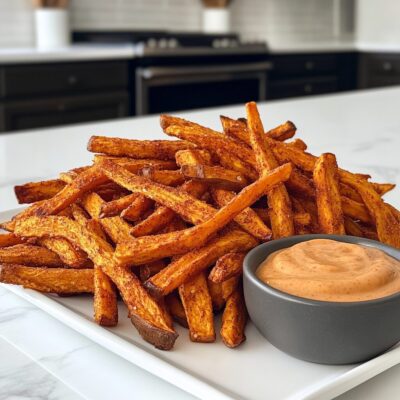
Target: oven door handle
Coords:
[(164, 72)]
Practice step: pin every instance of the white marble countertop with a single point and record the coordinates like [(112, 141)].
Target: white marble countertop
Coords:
[(41, 358), (92, 52)]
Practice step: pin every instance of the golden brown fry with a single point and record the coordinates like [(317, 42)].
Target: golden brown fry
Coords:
[(217, 299), (247, 219), (329, 206), (348, 191), (69, 255), (30, 255), (165, 177), (278, 198), (355, 210), (48, 280), (150, 248), (383, 188), (387, 225), (139, 206), (234, 320), (228, 265), (352, 227), (9, 239), (299, 184), (193, 157), (191, 264), (36, 191), (146, 314), (115, 207), (196, 301), (160, 149), (215, 175), (176, 309)]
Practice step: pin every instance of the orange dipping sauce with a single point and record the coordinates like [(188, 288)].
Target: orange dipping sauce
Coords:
[(323, 269)]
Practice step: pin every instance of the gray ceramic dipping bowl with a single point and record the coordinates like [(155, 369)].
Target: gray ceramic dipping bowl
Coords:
[(320, 331)]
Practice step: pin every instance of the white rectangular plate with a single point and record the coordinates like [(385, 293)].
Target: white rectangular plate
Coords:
[(255, 370)]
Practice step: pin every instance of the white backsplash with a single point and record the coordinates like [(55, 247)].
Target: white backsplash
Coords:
[(273, 20)]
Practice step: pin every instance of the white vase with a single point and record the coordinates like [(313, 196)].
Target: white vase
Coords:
[(216, 20), (52, 28)]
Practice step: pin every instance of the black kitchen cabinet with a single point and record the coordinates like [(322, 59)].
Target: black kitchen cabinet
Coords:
[(379, 69), (42, 95), (295, 75)]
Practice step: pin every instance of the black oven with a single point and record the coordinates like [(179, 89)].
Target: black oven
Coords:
[(181, 87)]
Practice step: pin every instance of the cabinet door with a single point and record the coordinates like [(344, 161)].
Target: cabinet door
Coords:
[(63, 110)]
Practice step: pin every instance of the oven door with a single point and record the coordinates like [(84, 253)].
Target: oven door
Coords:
[(165, 89)]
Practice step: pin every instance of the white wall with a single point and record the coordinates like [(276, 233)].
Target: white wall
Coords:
[(273, 20), (378, 21)]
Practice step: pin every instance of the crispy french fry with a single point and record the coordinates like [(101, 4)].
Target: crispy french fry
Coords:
[(139, 206), (9, 239), (191, 264), (151, 248), (228, 265), (146, 271), (278, 198), (196, 301), (69, 255), (36, 191), (217, 299), (355, 210), (299, 184), (115, 207), (30, 255), (160, 149), (352, 227), (48, 280), (146, 314), (234, 320), (348, 191), (383, 188), (193, 157), (176, 309), (329, 206), (165, 177), (387, 225), (247, 219), (215, 175)]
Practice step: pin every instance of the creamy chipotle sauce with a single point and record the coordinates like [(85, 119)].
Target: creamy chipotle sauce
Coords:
[(328, 270)]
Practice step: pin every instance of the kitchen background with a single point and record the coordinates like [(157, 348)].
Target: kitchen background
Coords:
[(158, 61)]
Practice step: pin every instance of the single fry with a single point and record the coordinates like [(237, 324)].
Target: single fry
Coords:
[(227, 266), (146, 314), (151, 248), (159, 149), (9, 239), (30, 255), (191, 264), (234, 320), (355, 210), (198, 308), (278, 198), (139, 206), (352, 227), (329, 205), (115, 207), (247, 219), (36, 191), (193, 157), (165, 177), (215, 175), (48, 280)]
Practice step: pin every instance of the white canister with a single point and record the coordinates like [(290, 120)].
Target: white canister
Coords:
[(216, 20), (52, 28)]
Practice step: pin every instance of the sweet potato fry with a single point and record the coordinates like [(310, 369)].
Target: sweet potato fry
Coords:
[(348, 191), (165, 177), (146, 271), (193, 157), (326, 181), (196, 301), (160, 149), (387, 225), (30, 255), (191, 264), (115, 207), (36, 191), (139, 206), (247, 219), (383, 188), (48, 280), (355, 210), (146, 314), (278, 198), (228, 265), (150, 248), (220, 292), (69, 255), (299, 184), (9, 239), (234, 319), (215, 175), (176, 309), (352, 227)]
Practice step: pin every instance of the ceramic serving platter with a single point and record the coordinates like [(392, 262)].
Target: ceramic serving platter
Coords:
[(255, 370)]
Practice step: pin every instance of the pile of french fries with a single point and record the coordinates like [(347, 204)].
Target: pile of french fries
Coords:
[(166, 224)]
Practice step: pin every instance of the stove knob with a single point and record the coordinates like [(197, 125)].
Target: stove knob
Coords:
[(173, 43), (152, 43), (163, 43)]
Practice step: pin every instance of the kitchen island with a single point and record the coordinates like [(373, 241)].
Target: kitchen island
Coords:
[(41, 358)]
